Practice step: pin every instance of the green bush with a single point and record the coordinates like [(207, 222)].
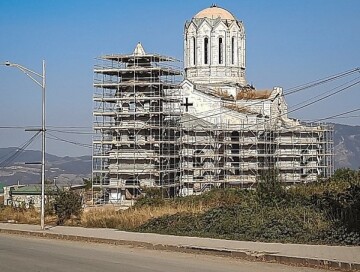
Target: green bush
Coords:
[(245, 222), (67, 204), (150, 197), (325, 212), (341, 206), (269, 190)]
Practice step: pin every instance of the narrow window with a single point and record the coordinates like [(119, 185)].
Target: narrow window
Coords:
[(232, 50), (206, 49), (221, 53), (194, 52)]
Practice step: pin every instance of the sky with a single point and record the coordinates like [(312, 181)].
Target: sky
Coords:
[(288, 43)]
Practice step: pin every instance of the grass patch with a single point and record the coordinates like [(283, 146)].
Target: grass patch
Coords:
[(24, 215), (326, 212), (19, 215), (134, 217)]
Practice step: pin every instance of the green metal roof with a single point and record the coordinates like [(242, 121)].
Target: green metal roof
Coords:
[(33, 190)]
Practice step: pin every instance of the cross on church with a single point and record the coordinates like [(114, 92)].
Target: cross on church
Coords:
[(187, 104)]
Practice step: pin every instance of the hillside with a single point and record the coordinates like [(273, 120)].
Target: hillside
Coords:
[(64, 169), (347, 146)]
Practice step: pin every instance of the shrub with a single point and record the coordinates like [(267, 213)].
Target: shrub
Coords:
[(269, 190), (67, 204), (323, 212), (326, 212), (251, 222), (150, 197), (341, 206)]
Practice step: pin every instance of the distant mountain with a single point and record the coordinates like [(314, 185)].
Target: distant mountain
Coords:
[(69, 170), (347, 146)]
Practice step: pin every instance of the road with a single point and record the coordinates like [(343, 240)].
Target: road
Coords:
[(18, 253)]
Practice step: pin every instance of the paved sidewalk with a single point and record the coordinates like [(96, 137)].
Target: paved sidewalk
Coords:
[(337, 257)]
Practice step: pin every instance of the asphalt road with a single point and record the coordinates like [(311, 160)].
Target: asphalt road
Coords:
[(19, 253)]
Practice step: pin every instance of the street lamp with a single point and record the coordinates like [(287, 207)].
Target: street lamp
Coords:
[(31, 74)]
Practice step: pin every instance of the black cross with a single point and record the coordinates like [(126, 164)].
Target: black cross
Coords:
[(187, 104)]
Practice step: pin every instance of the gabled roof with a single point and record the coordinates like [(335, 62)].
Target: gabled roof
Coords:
[(191, 121)]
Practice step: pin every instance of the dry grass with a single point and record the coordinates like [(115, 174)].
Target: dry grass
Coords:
[(25, 216), (242, 109), (103, 217), (224, 94), (109, 217), (252, 94), (245, 94)]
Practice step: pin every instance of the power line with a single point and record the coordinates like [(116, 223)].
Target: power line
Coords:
[(56, 138), (18, 127), (79, 129), (32, 127), (292, 91), (327, 96), (313, 102), (338, 115), (71, 132), (76, 127), (18, 151), (300, 103), (89, 146), (322, 81), (345, 117)]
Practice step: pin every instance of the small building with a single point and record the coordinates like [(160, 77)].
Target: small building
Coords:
[(30, 195)]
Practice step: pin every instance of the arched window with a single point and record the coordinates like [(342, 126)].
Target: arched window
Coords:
[(206, 50), (232, 50), (221, 51), (194, 50)]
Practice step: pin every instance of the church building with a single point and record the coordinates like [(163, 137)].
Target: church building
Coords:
[(201, 128)]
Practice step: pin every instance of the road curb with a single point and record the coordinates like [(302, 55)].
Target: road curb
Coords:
[(241, 254)]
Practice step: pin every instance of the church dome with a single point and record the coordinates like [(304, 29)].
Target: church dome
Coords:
[(215, 12)]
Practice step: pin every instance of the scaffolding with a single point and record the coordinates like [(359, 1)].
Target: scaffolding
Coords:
[(145, 139), (238, 155), (136, 112)]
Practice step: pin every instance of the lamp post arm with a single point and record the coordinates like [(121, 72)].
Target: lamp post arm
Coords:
[(29, 73), (26, 69)]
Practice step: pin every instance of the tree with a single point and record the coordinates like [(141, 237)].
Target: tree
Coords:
[(67, 204), (87, 183), (269, 189)]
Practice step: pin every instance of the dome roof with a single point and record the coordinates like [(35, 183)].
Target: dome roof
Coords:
[(214, 12)]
